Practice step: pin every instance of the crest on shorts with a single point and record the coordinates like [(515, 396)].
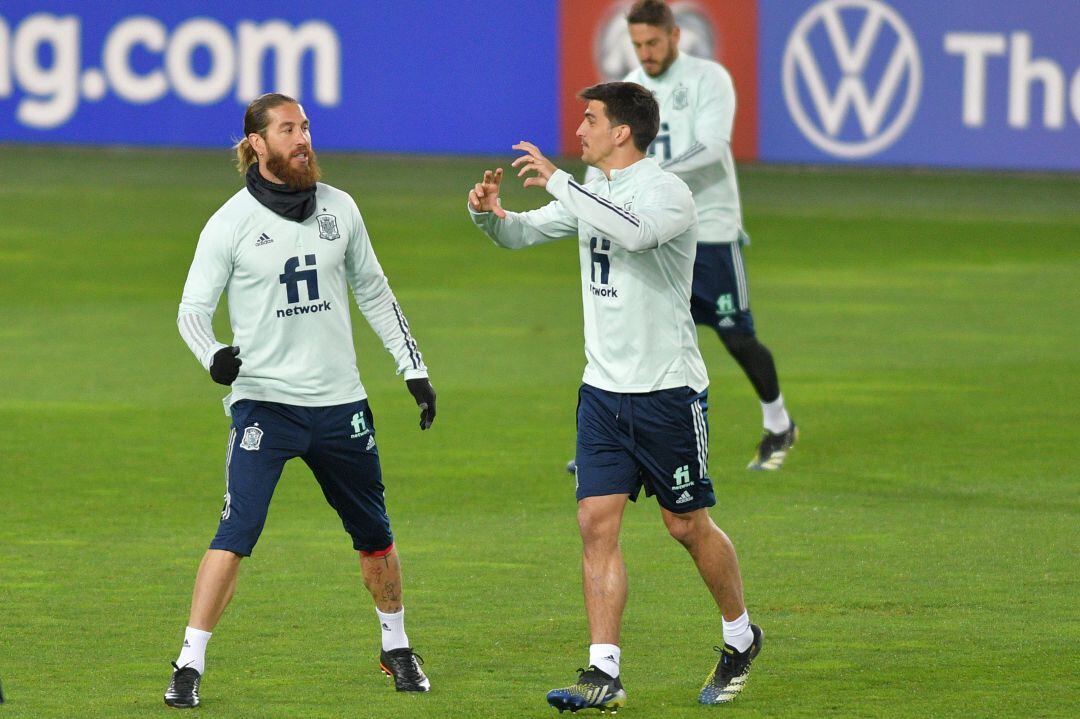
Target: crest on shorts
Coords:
[(327, 227), (252, 439), (681, 97)]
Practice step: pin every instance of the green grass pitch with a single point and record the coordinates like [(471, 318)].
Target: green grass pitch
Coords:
[(916, 557)]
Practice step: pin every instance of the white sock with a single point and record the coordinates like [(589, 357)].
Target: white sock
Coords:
[(605, 657), (393, 630), (193, 653), (775, 416), (737, 633)]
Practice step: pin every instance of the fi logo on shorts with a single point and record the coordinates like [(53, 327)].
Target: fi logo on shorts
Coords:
[(360, 428), (359, 425), (680, 479)]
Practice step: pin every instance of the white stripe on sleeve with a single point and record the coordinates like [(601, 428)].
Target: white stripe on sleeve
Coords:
[(198, 333)]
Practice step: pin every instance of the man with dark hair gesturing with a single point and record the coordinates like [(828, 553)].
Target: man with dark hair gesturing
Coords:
[(642, 407)]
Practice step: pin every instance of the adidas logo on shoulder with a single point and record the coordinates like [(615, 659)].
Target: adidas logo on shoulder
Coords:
[(684, 498), (264, 239)]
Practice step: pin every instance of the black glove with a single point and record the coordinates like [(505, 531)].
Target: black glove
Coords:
[(424, 394), (225, 365)]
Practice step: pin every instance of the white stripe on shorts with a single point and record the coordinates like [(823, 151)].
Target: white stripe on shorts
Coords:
[(740, 276), (227, 509), (701, 434)]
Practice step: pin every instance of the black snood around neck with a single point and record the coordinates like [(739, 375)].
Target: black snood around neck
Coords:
[(296, 205)]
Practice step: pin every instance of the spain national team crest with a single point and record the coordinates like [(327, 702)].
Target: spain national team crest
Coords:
[(681, 97), (328, 229), (252, 439)]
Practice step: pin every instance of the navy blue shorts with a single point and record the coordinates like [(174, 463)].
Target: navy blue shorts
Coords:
[(337, 443), (720, 298), (659, 440)]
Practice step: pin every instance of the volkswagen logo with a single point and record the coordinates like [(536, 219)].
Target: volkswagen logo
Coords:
[(852, 76), (614, 53)]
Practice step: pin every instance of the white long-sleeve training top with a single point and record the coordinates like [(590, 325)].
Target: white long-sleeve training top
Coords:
[(636, 240), (287, 286), (697, 112)]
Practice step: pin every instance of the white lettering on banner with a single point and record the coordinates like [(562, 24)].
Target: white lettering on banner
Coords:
[(56, 84), (289, 46), (53, 90), (975, 47), (1025, 73), (1074, 96), (150, 34), (852, 95), (5, 67), (193, 34)]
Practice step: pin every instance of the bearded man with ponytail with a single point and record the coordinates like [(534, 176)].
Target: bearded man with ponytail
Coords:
[(287, 249)]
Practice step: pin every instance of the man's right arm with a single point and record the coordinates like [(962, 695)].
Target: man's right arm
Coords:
[(662, 211), (525, 229), (514, 230), (207, 277)]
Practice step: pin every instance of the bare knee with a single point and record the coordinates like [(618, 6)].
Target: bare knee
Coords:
[(599, 528), (687, 528)]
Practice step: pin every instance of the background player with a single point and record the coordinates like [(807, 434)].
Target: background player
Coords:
[(697, 111), (285, 249), (642, 406)]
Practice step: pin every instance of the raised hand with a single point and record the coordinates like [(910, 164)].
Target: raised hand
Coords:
[(484, 196), (533, 161)]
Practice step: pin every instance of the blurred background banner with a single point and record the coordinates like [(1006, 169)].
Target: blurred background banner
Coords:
[(594, 46), (411, 76), (988, 84)]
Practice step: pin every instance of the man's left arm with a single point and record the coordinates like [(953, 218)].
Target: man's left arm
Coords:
[(381, 310), (714, 117)]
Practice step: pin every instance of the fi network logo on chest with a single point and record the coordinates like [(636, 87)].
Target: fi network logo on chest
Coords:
[(852, 76)]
